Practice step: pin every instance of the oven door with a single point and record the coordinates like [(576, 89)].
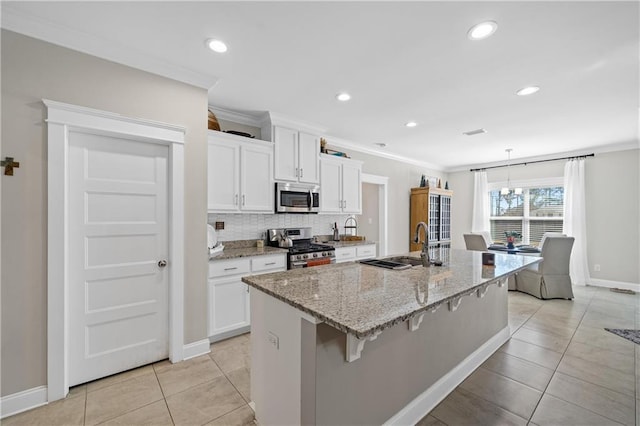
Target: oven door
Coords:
[(311, 262), (294, 198)]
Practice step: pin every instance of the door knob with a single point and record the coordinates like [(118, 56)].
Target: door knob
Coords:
[(162, 263)]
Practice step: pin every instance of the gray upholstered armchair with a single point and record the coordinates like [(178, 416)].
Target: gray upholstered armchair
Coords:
[(550, 278), (475, 242)]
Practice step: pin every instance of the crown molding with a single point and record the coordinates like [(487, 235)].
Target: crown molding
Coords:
[(237, 117), (356, 147), (278, 119), (42, 29), (600, 149)]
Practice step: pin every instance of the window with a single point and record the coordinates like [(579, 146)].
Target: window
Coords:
[(536, 211)]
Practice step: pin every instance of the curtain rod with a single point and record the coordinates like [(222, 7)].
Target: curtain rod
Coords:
[(532, 162)]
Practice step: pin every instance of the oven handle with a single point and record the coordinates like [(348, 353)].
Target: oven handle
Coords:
[(310, 199), (299, 264)]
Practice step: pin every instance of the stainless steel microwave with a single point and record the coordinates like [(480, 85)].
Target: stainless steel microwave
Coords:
[(297, 198)]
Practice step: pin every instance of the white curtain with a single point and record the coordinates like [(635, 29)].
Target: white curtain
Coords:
[(575, 224), (480, 219)]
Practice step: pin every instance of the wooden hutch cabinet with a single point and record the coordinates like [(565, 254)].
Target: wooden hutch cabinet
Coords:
[(433, 207)]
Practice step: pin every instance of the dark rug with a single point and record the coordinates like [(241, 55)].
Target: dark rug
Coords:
[(633, 335)]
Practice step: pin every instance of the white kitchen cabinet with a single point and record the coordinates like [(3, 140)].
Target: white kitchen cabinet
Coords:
[(340, 185), (347, 254), (240, 175), (296, 155), (229, 296), (366, 251)]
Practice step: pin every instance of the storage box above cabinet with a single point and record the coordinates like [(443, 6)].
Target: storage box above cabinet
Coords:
[(340, 185), (239, 175), (296, 156)]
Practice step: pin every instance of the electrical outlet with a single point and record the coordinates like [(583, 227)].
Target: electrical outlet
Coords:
[(274, 340), (219, 226), (596, 267), (370, 221)]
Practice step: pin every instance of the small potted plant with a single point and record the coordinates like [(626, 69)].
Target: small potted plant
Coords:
[(511, 238)]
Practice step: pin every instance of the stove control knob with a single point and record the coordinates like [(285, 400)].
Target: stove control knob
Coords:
[(324, 254), (315, 254), (305, 256), (298, 257)]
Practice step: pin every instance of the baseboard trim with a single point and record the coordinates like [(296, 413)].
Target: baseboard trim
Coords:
[(426, 401), (229, 334), (192, 350), (22, 401), (615, 284)]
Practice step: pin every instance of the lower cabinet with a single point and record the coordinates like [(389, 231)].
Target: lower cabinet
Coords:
[(229, 296), (347, 254)]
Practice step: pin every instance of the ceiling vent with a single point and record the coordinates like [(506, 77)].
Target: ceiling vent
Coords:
[(474, 132)]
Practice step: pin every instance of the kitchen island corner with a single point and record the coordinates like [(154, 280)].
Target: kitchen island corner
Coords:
[(356, 344)]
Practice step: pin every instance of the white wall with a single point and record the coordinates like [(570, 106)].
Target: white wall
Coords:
[(32, 70), (402, 177), (613, 209)]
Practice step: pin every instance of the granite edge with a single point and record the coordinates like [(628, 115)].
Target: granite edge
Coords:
[(235, 253), (401, 318)]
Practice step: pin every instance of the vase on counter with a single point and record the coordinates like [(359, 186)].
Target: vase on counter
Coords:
[(510, 241)]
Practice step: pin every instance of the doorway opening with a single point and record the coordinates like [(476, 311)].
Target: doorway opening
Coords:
[(373, 220)]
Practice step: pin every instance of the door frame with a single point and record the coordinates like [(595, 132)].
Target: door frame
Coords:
[(61, 119), (383, 213)]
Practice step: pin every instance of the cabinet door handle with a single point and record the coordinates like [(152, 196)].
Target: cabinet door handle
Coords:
[(270, 263), (230, 269), (345, 204), (244, 199), (236, 200), (247, 289), (301, 172), (297, 172)]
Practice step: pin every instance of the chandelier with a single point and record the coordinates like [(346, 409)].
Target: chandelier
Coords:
[(507, 189)]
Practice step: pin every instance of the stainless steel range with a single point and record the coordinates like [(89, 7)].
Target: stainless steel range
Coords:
[(303, 252)]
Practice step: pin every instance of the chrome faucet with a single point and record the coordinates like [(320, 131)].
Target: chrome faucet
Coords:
[(424, 254)]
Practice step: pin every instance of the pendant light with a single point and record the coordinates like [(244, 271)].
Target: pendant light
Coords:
[(506, 189)]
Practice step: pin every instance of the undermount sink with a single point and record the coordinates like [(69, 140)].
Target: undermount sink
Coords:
[(413, 261), (399, 262)]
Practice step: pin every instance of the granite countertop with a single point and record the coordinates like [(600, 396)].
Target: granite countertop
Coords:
[(338, 244), (362, 299), (245, 248)]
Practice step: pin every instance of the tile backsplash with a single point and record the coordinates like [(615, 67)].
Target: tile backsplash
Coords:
[(253, 226)]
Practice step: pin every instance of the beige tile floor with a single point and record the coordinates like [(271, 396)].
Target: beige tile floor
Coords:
[(559, 368)]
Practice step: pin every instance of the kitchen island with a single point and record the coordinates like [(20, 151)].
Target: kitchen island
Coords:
[(356, 344)]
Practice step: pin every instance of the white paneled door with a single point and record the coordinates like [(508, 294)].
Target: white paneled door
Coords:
[(118, 248)]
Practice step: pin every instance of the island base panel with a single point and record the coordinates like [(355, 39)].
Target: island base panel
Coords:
[(400, 376)]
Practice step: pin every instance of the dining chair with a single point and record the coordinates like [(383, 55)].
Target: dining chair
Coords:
[(550, 278), (475, 242)]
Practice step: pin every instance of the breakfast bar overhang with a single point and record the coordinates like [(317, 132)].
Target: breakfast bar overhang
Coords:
[(356, 344)]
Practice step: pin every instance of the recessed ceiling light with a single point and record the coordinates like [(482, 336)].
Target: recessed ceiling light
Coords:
[(527, 91), (411, 124), (482, 30), (216, 45), (343, 96)]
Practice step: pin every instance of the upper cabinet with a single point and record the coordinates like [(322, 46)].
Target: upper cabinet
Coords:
[(340, 185), (240, 174), (296, 155)]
